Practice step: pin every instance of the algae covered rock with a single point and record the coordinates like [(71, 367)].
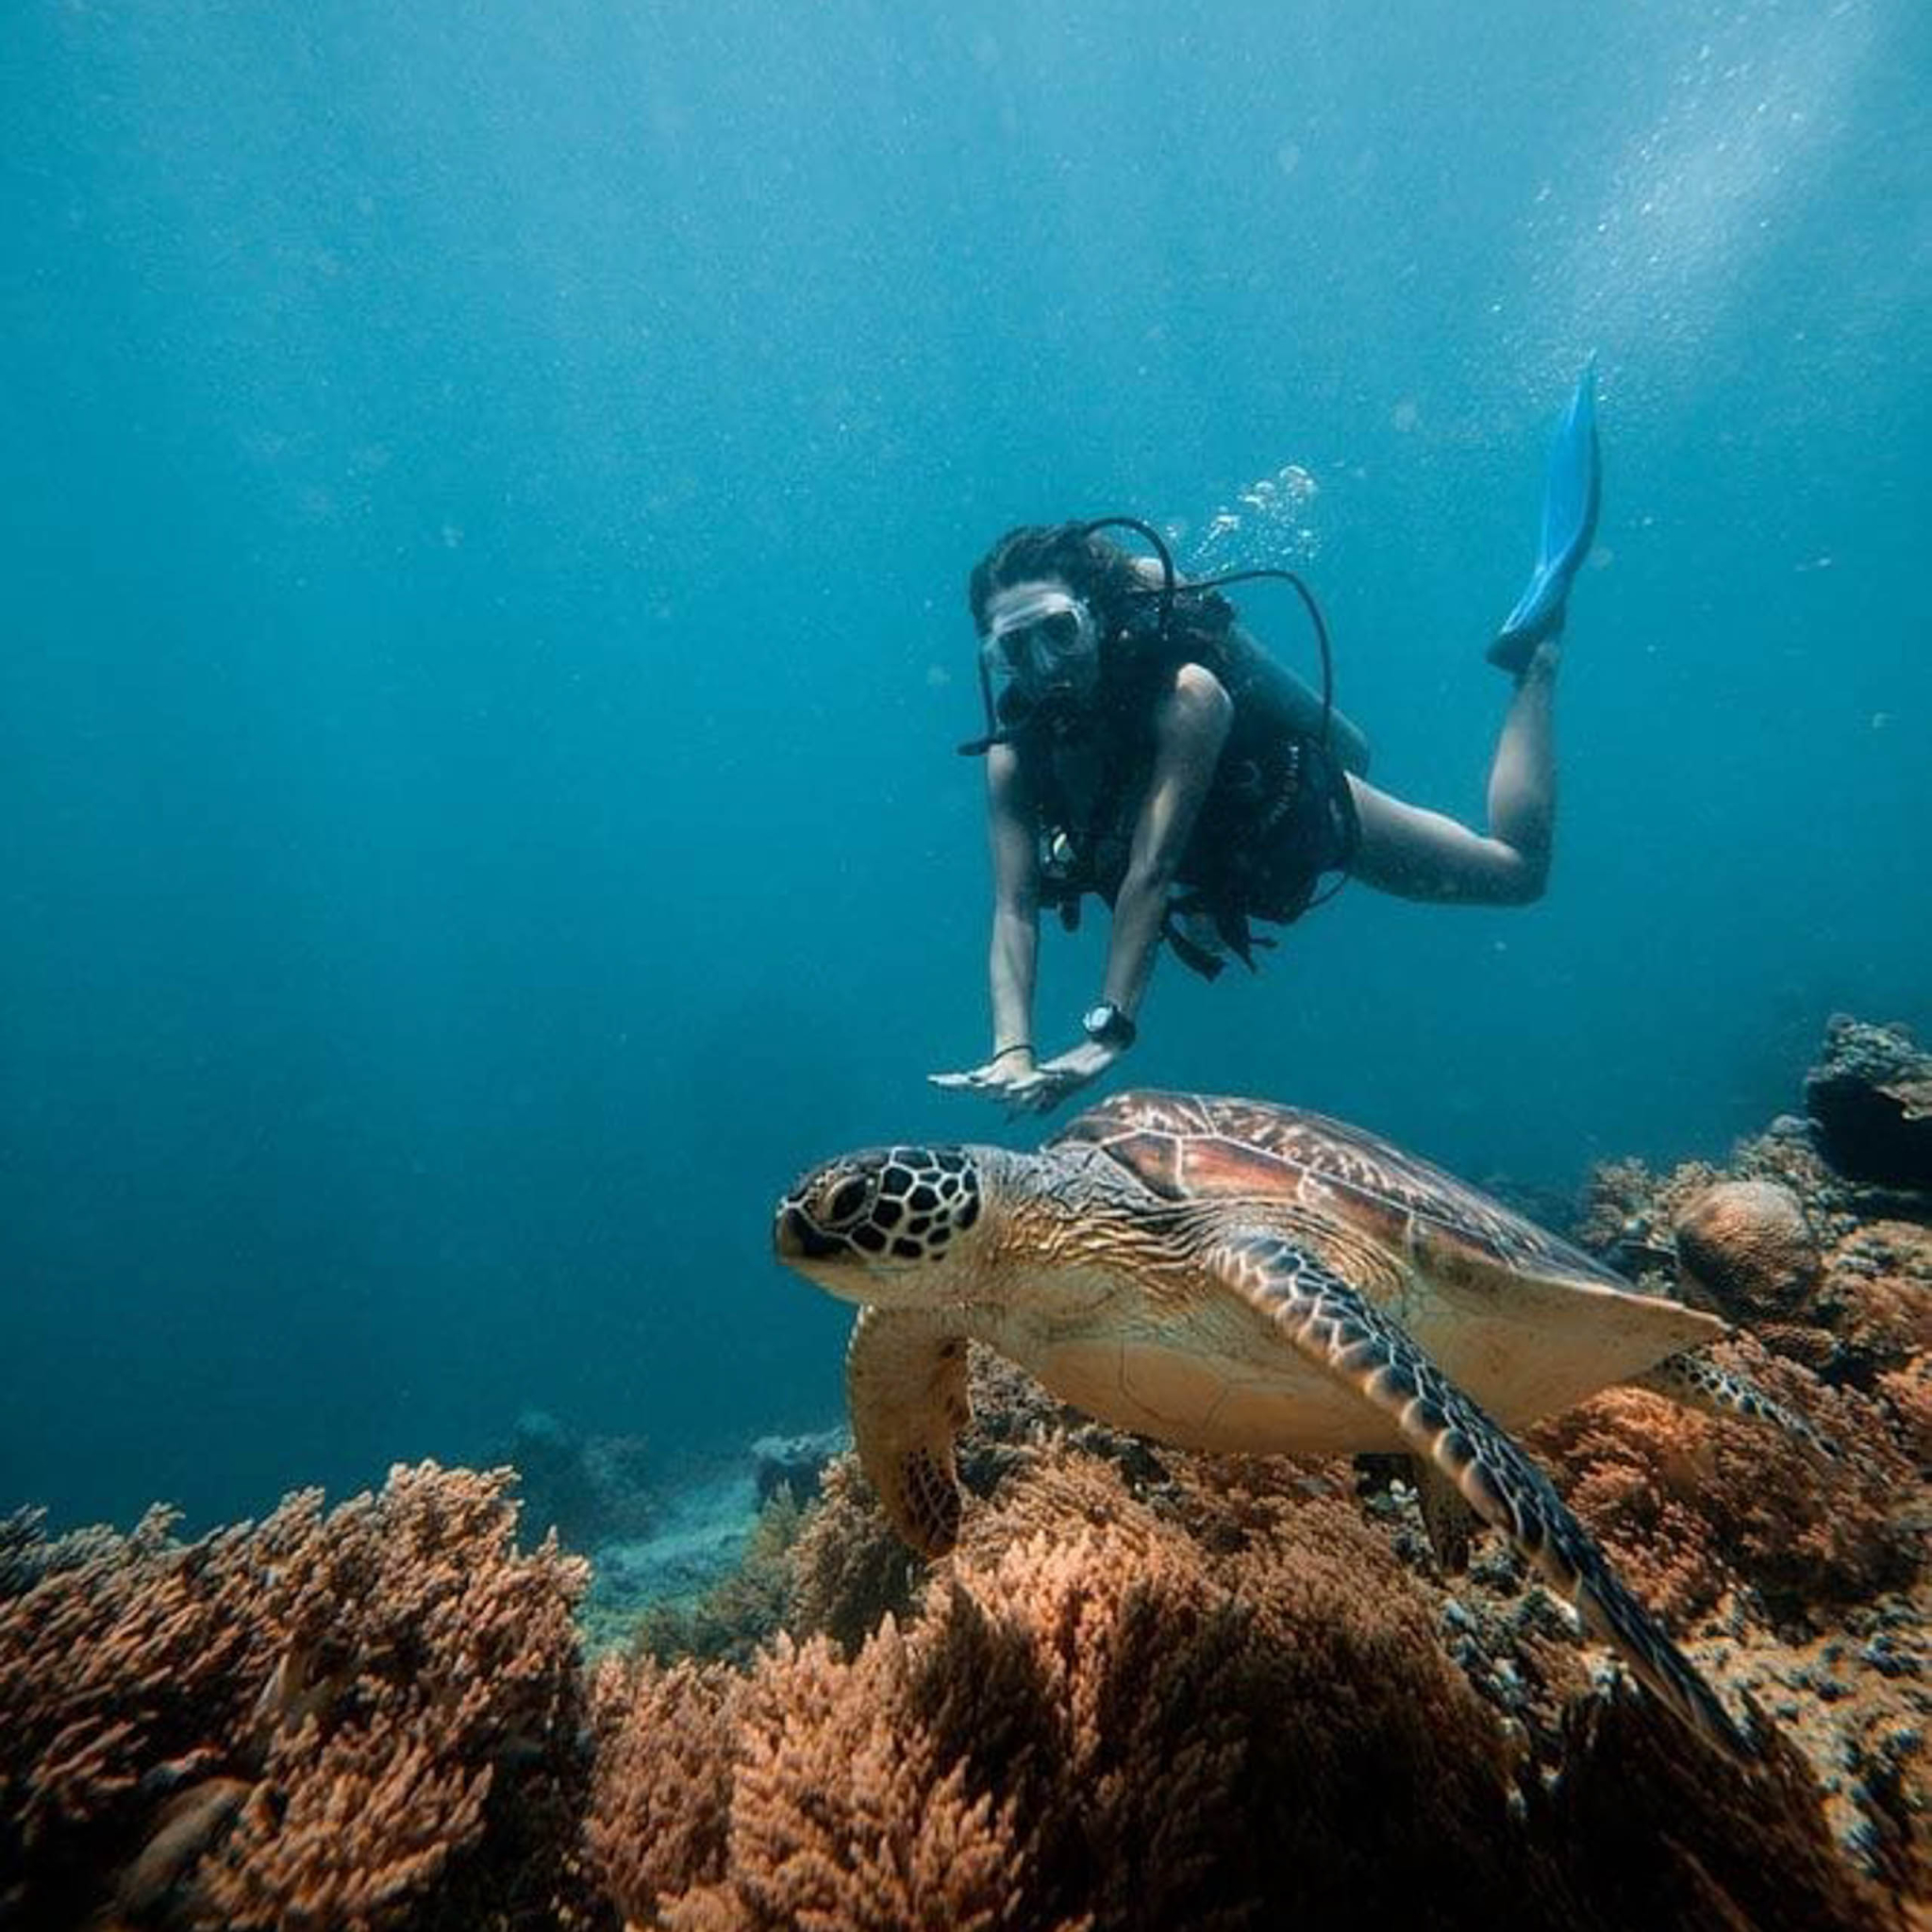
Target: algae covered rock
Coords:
[(1871, 1104)]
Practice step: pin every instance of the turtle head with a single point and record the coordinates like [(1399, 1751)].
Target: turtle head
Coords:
[(896, 1227)]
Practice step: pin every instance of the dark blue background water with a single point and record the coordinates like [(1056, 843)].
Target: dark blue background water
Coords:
[(486, 498)]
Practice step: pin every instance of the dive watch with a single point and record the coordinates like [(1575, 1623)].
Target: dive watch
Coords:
[(1107, 1025)]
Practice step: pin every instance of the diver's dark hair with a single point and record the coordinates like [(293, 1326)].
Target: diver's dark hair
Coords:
[(1101, 575), (1190, 620)]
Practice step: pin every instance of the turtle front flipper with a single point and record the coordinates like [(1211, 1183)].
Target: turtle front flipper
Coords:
[(1331, 1326), (1693, 1380), (906, 1386)]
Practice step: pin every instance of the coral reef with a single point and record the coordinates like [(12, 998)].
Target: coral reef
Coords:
[(354, 1719), (848, 1571), (1864, 1153), (1801, 1582), (1092, 1720), (1694, 1509), (1147, 1690)]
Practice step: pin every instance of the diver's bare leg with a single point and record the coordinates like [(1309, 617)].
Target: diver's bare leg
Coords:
[(1419, 853), (1522, 776)]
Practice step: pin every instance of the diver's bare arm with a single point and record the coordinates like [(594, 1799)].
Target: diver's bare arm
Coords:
[(1189, 729), (1015, 946), (1419, 853)]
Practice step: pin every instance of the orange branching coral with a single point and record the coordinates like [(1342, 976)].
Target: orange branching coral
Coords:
[(1637, 1470), (1053, 1494), (661, 1807), (1015, 1423), (425, 1670), (1009, 1406), (1223, 1703), (118, 1675), (1365, 1754), (1877, 1296), (848, 1570), (846, 1818), (1131, 1685), (1818, 1349), (346, 1720)]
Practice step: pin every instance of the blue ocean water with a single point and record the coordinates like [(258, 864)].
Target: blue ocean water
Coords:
[(486, 497)]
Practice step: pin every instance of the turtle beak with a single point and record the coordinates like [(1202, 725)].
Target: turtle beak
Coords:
[(794, 1239), (824, 1260)]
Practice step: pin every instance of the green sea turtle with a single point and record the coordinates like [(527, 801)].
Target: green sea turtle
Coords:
[(1227, 1275)]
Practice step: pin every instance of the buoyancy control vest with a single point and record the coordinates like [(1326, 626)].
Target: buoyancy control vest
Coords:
[(1278, 815)]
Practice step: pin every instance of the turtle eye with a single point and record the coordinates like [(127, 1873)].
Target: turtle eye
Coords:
[(843, 1201)]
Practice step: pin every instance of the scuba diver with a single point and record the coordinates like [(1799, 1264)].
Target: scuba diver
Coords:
[(1142, 747)]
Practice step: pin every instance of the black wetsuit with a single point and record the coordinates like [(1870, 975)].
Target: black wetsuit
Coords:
[(1278, 813)]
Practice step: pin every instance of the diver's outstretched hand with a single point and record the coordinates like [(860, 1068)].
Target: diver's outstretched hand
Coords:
[(1024, 1088), (995, 1079)]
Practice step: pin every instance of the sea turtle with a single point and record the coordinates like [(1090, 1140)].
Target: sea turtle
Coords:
[(1228, 1274)]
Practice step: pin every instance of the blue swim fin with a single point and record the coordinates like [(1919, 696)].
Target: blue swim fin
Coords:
[(1571, 491)]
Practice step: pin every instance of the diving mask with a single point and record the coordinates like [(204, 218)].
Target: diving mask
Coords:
[(1046, 643)]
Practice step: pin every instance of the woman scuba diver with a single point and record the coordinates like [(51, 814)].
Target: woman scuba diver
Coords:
[(1142, 747)]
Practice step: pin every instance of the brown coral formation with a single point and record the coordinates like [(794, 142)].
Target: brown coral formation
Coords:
[(1093, 1718), (1801, 1582), (361, 1718), (849, 1571), (1748, 1245), (661, 1821)]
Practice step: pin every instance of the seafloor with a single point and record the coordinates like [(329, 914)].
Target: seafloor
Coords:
[(1150, 1690)]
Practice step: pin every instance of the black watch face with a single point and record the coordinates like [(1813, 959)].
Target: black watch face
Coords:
[(1100, 1021)]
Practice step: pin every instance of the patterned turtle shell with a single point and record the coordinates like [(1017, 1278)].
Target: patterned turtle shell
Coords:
[(1190, 1146)]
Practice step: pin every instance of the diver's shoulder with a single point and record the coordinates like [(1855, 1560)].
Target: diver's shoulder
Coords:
[(1198, 698)]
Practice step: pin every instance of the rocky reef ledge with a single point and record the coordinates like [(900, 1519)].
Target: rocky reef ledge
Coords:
[(1149, 1689)]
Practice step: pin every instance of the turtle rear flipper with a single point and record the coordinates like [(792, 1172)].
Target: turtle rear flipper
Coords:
[(1693, 1380), (1330, 1324), (906, 1385)]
